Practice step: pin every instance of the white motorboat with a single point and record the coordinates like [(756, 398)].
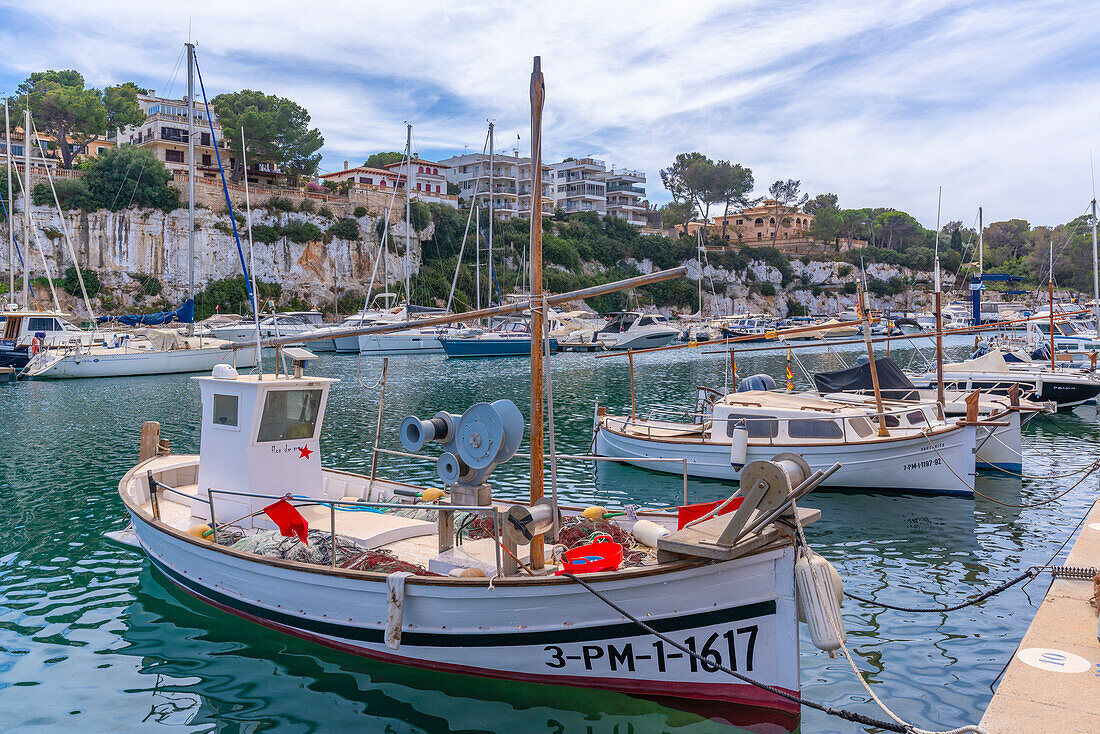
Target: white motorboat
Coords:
[(576, 330), (201, 521), (636, 330), (1066, 386), (271, 327), (921, 453)]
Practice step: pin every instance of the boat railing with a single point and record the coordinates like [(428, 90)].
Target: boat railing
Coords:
[(302, 501), (559, 457)]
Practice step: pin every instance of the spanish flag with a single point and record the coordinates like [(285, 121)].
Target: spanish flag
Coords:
[(790, 375)]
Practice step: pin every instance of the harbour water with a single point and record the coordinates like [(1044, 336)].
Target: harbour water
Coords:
[(92, 640)]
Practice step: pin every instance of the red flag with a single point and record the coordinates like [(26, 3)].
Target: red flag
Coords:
[(289, 520)]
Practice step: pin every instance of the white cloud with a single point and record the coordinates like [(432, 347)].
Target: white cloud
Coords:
[(879, 102)]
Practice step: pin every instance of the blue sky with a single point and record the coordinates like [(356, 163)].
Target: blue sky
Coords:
[(881, 103)]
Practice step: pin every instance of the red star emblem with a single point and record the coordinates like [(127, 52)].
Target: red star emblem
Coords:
[(304, 452)]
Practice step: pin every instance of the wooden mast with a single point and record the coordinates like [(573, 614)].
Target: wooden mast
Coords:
[(538, 314), (871, 363), (939, 312)]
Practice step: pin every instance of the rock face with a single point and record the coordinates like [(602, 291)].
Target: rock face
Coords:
[(122, 245)]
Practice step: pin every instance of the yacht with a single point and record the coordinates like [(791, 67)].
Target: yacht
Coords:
[(271, 327), (750, 328), (636, 330), (27, 332)]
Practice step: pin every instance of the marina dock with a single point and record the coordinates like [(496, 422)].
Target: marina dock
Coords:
[(1053, 681)]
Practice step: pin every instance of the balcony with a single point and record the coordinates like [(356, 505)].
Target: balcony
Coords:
[(627, 173), (625, 188)]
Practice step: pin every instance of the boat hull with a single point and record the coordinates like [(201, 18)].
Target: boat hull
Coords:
[(490, 347), (131, 363), (403, 342), (1065, 392), (550, 631), (904, 464), (1000, 448)]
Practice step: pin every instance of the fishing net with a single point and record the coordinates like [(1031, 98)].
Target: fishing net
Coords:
[(319, 551), (384, 561)]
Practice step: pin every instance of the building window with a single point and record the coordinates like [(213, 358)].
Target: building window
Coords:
[(204, 138), (435, 171), (173, 156), (739, 221), (759, 235), (206, 159), (759, 222)]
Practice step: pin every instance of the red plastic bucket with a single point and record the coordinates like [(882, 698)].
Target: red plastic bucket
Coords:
[(687, 513), (602, 554)]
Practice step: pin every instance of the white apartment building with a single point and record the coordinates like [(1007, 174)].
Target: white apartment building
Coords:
[(625, 194), (426, 179), (579, 185), (471, 173)]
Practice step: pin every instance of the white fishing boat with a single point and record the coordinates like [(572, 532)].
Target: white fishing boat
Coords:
[(636, 330), (921, 452)]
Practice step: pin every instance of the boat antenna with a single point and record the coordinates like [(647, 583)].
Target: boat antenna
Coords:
[(252, 255), (489, 238), (539, 307), (1050, 278), (939, 312)]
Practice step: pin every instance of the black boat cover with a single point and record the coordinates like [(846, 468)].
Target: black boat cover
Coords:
[(892, 381)]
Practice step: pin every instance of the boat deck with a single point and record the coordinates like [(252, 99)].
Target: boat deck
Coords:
[(1053, 681)]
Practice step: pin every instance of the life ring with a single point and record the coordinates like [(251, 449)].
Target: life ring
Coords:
[(34, 346)]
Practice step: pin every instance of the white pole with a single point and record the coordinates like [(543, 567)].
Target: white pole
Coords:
[(1095, 273), (11, 208), (408, 214), (477, 249), (252, 258), (26, 205), (981, 247), (191, 184)]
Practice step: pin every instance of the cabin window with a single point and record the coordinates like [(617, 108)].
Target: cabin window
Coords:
[(757, 427), (289, 415), (646, 321), (225, 410), (916, 417), (41, 324), (809, 428), (861, 426)]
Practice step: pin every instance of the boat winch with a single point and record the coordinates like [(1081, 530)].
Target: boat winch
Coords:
[(486, 435)]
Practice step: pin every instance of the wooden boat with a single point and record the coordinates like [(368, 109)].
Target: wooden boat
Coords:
[(920, 453), (260, 441)]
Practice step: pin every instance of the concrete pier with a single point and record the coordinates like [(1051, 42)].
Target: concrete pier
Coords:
[(1053, 681)]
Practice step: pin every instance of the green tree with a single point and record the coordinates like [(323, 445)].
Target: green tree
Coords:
[(785, 194), (828, 223), (71, 283), (381, 160), (63, 107), (731, 185), (129, 176), (676, 214), (690, 179), (277, 131)]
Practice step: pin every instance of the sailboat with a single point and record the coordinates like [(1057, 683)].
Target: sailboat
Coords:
[(148, 351), (382, 575)]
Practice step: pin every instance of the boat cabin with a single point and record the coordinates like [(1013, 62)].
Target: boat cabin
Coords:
[(19, 327), (622, 321), (782, 419), (260, 434)]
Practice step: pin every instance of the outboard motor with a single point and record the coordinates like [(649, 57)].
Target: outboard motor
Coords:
[(756, 382)]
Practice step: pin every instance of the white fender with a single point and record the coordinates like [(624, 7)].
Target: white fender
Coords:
[(819, 594), (739, 447)]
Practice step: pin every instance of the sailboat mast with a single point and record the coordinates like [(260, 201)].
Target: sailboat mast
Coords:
[(1095, 268), (191, 182), (26, 205), (408, 213), (489, 242), (939, 309), (252, 265), (538, 92), (11, 207), (1050, 277), (477, 249)]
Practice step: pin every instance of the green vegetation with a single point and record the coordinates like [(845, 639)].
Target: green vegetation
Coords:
[(231, 295), (346, 229), (360, 212), (277, 130), (118, 179), (63, 107), (71, 283), (301, 232), (381, 160), (149, 285)]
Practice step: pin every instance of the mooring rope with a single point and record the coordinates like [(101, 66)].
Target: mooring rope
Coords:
[(1088, 471), (840, 713)]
